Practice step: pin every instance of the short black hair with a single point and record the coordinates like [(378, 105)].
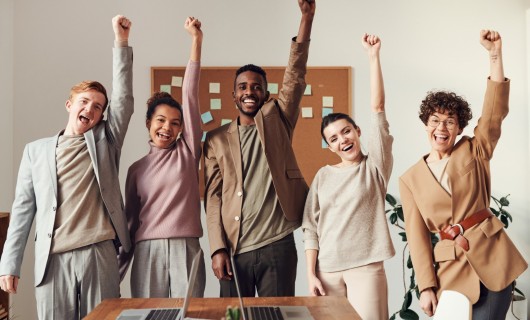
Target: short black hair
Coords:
[(253, 68), (332, 117)]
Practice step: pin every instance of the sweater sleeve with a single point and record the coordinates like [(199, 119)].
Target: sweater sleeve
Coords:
[(191, 130), (311, 216), (380, 146)]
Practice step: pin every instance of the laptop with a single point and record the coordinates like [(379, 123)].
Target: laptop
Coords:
[(166, 313), (268, 312)]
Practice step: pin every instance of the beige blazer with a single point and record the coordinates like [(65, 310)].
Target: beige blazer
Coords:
[(492, 257), (223, 171)]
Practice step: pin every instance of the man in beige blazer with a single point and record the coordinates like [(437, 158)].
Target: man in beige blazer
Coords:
[(448, 192), (255, 193)]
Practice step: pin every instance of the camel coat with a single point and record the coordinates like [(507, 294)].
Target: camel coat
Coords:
[(492, 257), (223, 169)]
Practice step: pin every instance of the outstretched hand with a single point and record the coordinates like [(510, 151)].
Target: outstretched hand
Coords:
[(193, 26), (490, 40), (371, 43), (122, 27), (307, 7)]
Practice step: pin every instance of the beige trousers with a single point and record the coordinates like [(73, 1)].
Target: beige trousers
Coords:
[(365, 287), (161, 267), (76, 281)]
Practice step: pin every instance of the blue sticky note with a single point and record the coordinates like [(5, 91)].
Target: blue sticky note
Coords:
[(308, 91), (225, 121), (165, 88), (206, 117), (203, 136), (324, 144), (326, 111)]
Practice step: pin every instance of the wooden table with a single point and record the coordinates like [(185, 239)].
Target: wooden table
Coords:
[(214, 308)]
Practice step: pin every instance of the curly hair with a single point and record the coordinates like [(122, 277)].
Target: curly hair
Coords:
[(159, 98), (445, 102)]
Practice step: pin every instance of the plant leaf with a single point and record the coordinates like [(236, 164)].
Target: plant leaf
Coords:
[(504, 201), (390, 199), (407, 301), (408, 315), (505, 221), (399, 211)]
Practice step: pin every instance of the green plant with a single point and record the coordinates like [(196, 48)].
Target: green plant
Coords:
[(396, 218)]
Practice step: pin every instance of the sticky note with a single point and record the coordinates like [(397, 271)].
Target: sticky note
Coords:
[(324, 144), (307, 112), (165, 88), (215, 104), (327, 101), (225, 121), (206, 117), (326, 111), (308, 91), (215, 87), (176, 81), (203, 136), (272, 88)]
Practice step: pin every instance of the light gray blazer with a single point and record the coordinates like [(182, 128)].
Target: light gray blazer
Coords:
[(36, 191)]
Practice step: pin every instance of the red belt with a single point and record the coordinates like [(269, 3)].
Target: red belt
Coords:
[(456, 232)]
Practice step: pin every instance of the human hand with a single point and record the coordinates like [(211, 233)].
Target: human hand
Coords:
[(9, 283), (193, 26), (428, 302), (315, 286), (122, 27), (371, 43), (221, 266), (307, 7), (491, 40)]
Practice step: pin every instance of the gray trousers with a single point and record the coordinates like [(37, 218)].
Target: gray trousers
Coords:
[(161, 268), (76, 281), (269, 270), (492, 305)]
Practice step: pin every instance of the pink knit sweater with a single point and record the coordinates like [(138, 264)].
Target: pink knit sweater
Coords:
[(162, 198)]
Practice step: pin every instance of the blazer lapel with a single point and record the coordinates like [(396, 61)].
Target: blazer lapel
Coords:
[(261, 128), (52, 161), (91, 146), (235, 148)]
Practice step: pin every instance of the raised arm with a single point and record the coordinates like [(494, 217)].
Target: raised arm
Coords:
[(491, 41), (372, 45), (192, 130), (122, 102), (307, 7), (193, 26)]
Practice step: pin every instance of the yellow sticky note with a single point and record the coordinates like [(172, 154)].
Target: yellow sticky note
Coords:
[(327, 101), (176, 81), (307, 112), (215, 87)]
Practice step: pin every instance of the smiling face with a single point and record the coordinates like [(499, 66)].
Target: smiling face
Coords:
[(164, 126), (343, 139), (442, 131), (85, 111), (249, 94)]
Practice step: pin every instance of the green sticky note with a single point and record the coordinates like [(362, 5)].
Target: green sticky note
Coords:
[(272, 88), (215, 104), (206, 117), (308, 91), (165, 88)]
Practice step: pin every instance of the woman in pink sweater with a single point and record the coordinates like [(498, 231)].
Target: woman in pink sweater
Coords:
[(162, 191)]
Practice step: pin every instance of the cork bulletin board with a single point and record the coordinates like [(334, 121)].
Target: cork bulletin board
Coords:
[(329, 90)]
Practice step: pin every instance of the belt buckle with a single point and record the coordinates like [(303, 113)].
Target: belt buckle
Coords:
[(459, 227)]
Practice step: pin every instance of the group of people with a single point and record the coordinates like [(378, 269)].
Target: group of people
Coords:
[(255, 195)]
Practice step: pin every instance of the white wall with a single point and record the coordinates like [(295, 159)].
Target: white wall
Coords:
[(426, 45)]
